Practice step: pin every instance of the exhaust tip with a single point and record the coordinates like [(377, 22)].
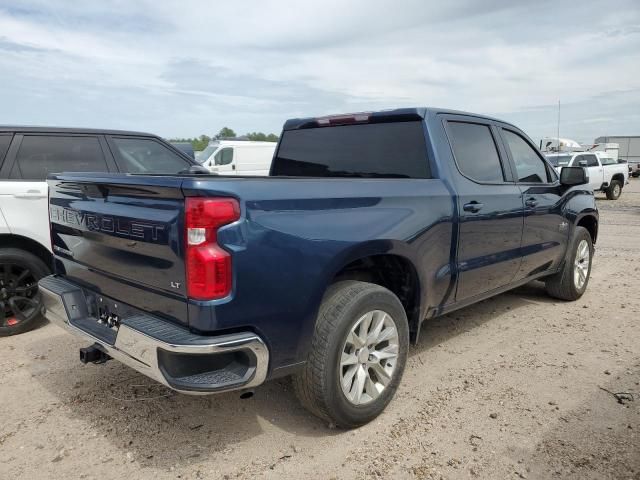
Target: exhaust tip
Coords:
[(246, 394)]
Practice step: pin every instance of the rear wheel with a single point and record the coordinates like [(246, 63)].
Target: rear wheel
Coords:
[(571, 282), (358, 354), (614, 190), (20, 303)]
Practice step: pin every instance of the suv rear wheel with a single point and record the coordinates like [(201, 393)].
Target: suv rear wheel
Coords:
[(20, 303), (358, 354)]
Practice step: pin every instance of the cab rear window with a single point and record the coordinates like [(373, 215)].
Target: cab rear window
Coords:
[(377, 150)]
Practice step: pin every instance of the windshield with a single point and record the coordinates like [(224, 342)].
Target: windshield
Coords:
[(559, 160), (206, 153)]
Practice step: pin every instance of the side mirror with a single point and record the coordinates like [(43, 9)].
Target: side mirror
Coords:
[(571, 176), (582, 163)]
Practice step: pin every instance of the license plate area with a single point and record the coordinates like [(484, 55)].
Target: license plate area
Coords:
[(96, 314), (107, 313)]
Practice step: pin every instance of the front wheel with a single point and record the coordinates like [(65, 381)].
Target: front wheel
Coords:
[(571, 282), (615, 190), (358, 354)]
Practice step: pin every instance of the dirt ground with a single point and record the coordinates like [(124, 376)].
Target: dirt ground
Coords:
[(519, 386)]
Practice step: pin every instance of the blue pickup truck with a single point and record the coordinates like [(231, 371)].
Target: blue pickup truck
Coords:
[(368, 225)]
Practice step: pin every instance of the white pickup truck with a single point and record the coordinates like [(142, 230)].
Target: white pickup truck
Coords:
[(605, 173)]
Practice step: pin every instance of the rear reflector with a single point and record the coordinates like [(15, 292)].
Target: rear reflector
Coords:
[(209, 269)]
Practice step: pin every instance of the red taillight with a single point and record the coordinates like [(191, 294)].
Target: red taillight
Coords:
[(208, 266)]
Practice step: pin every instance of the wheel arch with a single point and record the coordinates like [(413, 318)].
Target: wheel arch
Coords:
[(619, 177), (9, 240), (590, 222), (391, 270)]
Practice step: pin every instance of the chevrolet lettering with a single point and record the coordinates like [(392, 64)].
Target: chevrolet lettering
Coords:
[(104, 223)]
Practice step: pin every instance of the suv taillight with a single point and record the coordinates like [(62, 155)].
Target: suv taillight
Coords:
[(208, 266)]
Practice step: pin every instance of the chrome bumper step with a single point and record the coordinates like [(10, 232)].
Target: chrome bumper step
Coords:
[(168, 353)]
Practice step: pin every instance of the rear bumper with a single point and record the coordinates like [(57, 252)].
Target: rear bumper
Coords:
[(175, 357)]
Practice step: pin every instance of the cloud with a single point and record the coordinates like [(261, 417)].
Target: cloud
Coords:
[(181, 69)]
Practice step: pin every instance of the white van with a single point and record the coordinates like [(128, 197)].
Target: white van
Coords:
[(238, 157)]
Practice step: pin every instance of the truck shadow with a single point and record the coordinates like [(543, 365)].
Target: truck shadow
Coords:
[(438, 330), (133, 414), (128, 415)]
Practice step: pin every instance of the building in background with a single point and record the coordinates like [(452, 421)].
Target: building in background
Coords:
[(628, 147)]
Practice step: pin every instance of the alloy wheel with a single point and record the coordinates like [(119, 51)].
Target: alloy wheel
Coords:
[(19, 299), (368, 358), (581, 264)]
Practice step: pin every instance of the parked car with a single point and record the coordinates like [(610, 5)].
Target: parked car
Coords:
[(368, 225), (238, 157), (27, 156), (605, 173)]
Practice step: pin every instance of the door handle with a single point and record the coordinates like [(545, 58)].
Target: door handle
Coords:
[(472, 207), (30, 194), (531, 202)]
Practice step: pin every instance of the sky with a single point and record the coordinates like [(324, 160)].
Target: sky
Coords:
[(181, 69)]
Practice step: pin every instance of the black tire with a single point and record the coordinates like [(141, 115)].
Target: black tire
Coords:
[(318, 384), (615, 190), (19, 274), (563, 285)]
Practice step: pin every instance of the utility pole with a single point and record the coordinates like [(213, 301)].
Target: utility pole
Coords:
[(558, 131)]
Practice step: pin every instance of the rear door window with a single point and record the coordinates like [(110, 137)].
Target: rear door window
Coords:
[(40, 155), (530, 167), (475, 152), (146, 155), (5, 141), (377, 150)]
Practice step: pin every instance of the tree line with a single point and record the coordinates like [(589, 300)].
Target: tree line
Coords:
[(199, 143)]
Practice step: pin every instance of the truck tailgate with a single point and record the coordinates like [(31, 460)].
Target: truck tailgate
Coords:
[(122, 236)]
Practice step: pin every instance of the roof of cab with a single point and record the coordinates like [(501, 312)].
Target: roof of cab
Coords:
[(70, 130), (382, 116)]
